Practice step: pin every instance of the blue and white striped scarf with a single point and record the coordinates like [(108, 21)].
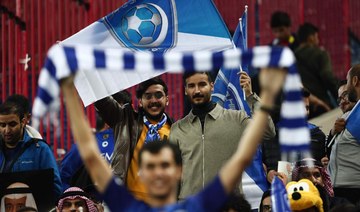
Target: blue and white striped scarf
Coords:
[(63, 61), (153, 129)]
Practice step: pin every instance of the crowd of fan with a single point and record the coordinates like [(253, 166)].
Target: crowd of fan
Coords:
[(206, 140)]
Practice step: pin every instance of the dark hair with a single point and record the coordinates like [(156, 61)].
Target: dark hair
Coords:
[(306, 30), (305, 92), (237, 202), (122, 97), (146, 84), (355, 71), (20, 100), (267, 193), (280, 19), (155, 147), (341, 83), (8, 108), (191, 73), (100, 123)]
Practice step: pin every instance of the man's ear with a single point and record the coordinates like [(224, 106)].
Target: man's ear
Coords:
[(167, 100), (355, 81), (179, 172), (140, 102), (212, 86), (23, 121)]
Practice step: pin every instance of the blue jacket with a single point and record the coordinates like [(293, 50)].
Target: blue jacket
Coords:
[(37, 156), (72, 162)]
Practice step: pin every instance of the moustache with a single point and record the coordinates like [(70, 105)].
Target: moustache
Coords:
[(198, 95), (154, 104)]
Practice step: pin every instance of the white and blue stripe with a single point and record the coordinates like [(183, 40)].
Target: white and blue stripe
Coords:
[(124, 69)]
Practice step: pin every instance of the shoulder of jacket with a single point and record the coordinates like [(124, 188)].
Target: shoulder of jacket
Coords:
[(38, 142)]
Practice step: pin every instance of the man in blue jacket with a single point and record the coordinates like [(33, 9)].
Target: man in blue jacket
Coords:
[(18, 151)]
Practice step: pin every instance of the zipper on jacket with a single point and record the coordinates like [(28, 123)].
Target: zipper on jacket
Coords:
[(203, 159)]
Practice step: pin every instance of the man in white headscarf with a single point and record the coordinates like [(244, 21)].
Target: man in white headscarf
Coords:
[(17, 196), (75, 199)]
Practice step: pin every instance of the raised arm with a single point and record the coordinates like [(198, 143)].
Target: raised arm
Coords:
[(271, 81), (253, 102), (98, 169)]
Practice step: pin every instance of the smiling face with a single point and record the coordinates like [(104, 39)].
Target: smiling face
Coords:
[(160, 173), (153, 101), (11, 129), (198, 88)]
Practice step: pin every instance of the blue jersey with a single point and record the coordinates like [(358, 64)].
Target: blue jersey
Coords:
[(212, 198), (72, 162), (105, 141)]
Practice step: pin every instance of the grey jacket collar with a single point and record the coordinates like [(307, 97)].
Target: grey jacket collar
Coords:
[(214, 113)]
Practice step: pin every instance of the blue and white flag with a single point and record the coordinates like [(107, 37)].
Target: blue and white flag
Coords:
[(279, 198), (353, 122), (152, 25), (227, 91), (254, 182)]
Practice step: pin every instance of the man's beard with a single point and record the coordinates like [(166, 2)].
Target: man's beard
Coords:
[(352, 95), (154, 117), (199, 104)]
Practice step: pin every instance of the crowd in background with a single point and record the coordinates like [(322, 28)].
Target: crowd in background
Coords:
[(206, 137)]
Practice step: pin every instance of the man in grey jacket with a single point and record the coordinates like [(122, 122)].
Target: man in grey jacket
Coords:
[(208, 135), (344, 164)]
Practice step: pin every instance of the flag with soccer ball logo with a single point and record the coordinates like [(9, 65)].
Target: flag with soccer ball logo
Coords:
[(147, 25)]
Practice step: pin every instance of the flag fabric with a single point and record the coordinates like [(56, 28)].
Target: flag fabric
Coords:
[(279, 198), (227, 91), (254, 182), (148, 25), (352, 122)]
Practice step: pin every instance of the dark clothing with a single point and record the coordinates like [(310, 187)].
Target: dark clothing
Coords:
[(314, 67), (318, 149), (351, 194), (201, 111), (271, 148), (127, 125)]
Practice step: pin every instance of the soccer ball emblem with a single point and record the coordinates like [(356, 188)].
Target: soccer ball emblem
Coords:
[(143, 25)]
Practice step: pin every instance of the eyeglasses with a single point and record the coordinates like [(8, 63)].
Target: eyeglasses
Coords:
[(266, 208), (157, 95), (343, 97)]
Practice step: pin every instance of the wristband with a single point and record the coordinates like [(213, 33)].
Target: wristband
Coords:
[(266, 109)]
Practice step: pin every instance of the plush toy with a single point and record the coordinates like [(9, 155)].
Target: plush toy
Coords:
[(303, 195)]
